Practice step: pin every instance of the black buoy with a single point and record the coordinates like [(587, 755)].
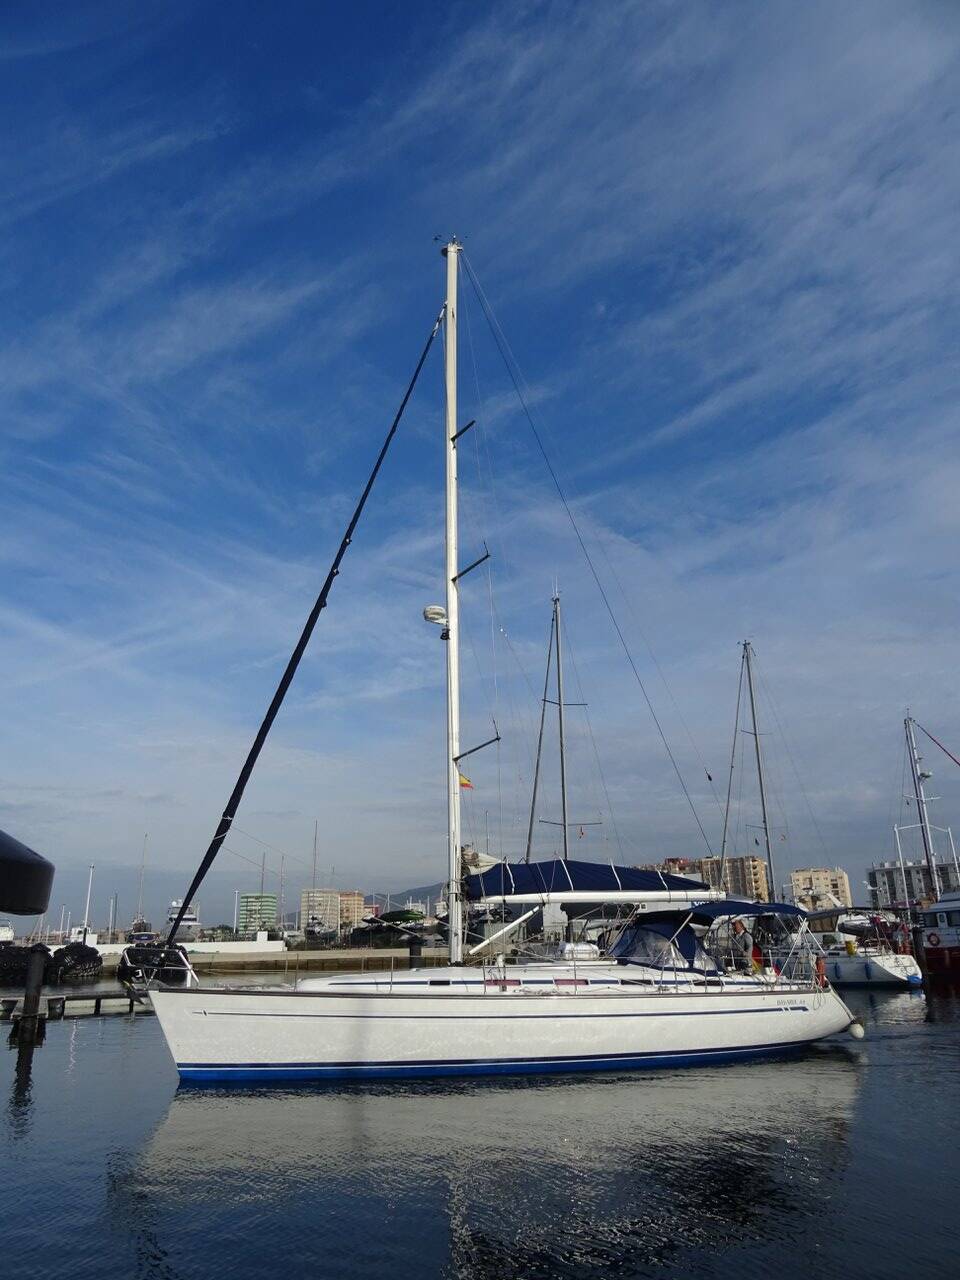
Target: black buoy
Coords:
[(25, 878)]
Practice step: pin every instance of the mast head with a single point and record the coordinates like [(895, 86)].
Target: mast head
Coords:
[(454, 244)]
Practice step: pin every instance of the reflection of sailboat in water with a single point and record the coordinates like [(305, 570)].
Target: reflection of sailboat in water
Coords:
[(569, 1175)]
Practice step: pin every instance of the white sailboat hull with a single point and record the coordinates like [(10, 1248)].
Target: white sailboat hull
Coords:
[(221, 1034), (873, 968)]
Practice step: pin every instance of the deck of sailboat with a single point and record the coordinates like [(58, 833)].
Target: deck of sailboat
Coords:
[(598, 986)]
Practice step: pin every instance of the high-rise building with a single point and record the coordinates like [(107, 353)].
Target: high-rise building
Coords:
[(816, 887), (885, 882), (352, 909), (323, 904), (256, 911), (744, 876)]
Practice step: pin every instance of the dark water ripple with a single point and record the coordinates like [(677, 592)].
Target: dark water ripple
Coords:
[(841, 1163)]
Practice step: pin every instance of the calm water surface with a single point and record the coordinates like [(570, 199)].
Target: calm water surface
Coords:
[(845, 1162)]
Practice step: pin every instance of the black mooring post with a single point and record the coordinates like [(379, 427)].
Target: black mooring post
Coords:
[(30, 1017)]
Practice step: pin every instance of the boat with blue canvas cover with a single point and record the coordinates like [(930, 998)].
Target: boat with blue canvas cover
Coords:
[(673, 989)]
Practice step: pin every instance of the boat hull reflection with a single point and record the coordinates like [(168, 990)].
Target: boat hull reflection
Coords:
[(554, 1176)]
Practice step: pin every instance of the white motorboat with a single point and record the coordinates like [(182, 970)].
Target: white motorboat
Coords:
[(865, 948), (185, 921), (871, 965), (664, 996)]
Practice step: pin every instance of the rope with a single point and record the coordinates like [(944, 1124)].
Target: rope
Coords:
[(503, 348), (793, 764), (937, 743), (593, 741)]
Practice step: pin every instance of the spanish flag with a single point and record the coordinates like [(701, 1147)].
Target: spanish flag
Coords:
[(464, 781)]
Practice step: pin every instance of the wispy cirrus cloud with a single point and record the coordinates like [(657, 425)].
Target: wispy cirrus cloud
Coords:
[(724, 257)]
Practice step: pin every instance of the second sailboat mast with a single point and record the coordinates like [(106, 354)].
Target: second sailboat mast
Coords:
[(748, 659), (563, 754)]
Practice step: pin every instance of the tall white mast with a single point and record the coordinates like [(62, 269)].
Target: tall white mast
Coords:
[(564, 821), (143, 863), (451, 252), (86, 909)]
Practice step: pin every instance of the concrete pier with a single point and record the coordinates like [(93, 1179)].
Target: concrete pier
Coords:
[(54, 1008)]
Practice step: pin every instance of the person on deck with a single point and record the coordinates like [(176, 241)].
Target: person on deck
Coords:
[(744, 947)]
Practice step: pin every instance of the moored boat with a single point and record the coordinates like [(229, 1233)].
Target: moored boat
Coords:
[(184, 920), (673, 990), (938, 934), (664, 995), (871, 966)]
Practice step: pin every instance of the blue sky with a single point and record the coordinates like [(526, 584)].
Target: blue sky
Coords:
[(722, 243)]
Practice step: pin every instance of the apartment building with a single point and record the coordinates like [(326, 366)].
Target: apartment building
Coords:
[(820, 887), (352, 909), (323, 904), (256, 911)]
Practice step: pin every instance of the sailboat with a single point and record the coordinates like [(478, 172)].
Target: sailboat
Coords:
[(856, 950), (671, 989), (937, 930)]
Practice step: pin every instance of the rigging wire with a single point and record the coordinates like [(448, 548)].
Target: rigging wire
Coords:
[(509, 363), (733, 756), (593, 741), (600, 546), (937, 743), (903, 778), (774, 767), (487, 478), (653, 658), (273, 848), (793, 764), (740, 830), (496, 710)]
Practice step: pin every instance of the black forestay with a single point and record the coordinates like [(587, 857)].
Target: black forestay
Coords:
[(285, 680)]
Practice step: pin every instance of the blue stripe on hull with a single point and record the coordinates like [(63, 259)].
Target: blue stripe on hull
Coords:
[(914, 980), (220, 1073)]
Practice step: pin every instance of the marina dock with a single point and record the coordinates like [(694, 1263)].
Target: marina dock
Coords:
[(234, 959), (55, 1008)]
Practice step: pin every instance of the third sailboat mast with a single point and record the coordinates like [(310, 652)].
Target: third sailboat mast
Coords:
[(918, 775)]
